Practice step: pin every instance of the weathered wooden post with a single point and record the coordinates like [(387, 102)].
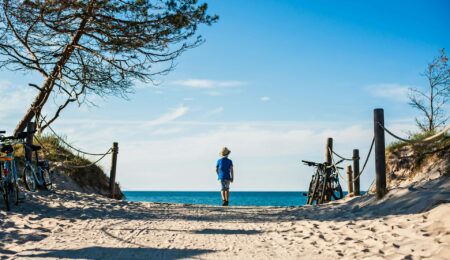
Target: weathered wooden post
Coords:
[(356, 177), (328, 159), (112, 175), (350, 180), (329, 148), (380, 158), (31, 127)]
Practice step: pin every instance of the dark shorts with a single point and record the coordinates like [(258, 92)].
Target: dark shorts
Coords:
[(225, 184)]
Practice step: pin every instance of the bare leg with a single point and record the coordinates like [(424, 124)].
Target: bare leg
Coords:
[(227, 195), (223, 195)]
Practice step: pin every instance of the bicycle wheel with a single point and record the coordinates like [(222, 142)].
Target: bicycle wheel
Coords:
[(28, 179), (322, 189), (336, 189), (47, 179), (13, 194), (39, 178), (317, 193), (5, 196), (312, 187)]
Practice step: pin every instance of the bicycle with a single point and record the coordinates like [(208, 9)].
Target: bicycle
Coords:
[(38, 174), (9, 185), (324, 184)]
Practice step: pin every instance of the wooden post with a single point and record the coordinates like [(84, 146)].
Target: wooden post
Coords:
[(380, 158), (356, 183), (31, 127), (112, 175), (350, 180), (328, 160), (328, 149)]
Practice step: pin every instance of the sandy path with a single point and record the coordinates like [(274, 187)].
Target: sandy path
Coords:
[(74, 225)]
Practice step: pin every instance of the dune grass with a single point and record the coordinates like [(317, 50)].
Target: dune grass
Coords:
[(92, 177)]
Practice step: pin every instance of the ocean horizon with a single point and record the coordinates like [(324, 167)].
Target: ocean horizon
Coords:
[(237, 198)]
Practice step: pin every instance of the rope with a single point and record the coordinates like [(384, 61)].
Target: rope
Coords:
[(343, 158), (426, 140), (337, 170), (88, 165), (367, 159), (74, 166), (78, 150)]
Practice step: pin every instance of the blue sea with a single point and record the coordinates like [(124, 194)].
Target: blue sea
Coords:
[(237, 198)]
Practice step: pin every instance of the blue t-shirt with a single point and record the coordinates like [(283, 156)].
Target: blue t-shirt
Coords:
[(224, 166)]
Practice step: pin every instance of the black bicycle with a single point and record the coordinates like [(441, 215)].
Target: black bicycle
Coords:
[(9, 185), (324, 185)]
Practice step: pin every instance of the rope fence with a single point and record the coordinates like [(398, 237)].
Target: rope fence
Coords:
[(423, 141), (114, 150), (346, 159), (337, 169), (341, 157), (367, 159), (102, 155), (85, 166), (378, 148), (73, 148)]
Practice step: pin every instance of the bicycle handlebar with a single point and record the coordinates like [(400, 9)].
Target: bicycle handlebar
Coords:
[(20, 136), (309, 163)]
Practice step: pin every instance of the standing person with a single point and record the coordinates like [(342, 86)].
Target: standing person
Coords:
[(225, 174)]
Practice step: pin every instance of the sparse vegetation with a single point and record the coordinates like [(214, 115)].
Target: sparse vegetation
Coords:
[(413, 137), (412, 158), (431, 102), (92, 177)]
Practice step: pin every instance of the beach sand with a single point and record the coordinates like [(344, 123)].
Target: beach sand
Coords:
[(412, 222)]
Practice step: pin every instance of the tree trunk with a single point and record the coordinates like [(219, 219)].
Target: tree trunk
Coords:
[(42, 97)]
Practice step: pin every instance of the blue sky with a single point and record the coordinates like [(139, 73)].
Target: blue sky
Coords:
[(271, 82)]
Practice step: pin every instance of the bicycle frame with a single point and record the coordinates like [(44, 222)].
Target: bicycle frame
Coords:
[(324, 183), (38, 169), (8, 176)]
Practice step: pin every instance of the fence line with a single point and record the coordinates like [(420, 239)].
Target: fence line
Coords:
[(346, 159), (365, 163), (343, 158), (88, 165), (425, 140), (70, 146)]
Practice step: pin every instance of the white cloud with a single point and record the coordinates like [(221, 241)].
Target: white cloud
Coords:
[(265, 99), (168, 117), (208, 84), (393, 91)]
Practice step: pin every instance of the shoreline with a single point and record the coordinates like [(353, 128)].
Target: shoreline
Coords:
[(411, 222)]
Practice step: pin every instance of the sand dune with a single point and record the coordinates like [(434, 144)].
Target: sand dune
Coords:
[(412, 222)]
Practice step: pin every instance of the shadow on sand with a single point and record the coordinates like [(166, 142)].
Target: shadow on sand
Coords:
[(71, 206), (211, 231), (413, 199), (118, 253)]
